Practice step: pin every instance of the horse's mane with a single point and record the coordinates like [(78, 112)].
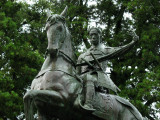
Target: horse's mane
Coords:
[(68, 43), (68, 48)]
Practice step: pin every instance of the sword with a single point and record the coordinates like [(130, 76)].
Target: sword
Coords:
[(96, 61), (90, 65)]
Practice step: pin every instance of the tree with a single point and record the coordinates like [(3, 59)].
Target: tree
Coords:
[(20, 57), (23, 44), (136, 73)]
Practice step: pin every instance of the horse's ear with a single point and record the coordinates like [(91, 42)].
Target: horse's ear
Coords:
[(48, 13), (64, 13)]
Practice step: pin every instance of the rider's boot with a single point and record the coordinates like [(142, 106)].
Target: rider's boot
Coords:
[(89, 95)]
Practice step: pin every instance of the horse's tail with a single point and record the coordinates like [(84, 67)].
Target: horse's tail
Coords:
[(28, 106)]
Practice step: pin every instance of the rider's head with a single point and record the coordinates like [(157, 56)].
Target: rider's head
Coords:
[(95, 36)]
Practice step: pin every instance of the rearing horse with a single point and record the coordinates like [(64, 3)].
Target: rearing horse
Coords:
[(55, 83), (55, 91)]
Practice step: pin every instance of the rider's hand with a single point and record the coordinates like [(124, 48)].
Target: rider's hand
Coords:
[(135, 37)]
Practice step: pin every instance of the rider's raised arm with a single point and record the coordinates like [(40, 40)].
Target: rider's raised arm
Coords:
[(118, 51)]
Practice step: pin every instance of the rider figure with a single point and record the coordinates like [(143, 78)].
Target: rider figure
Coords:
[(94, 75)]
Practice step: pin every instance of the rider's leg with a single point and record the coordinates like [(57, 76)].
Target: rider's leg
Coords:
[(89, 91)]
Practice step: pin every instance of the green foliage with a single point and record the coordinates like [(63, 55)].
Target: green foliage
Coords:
[(22, 50), (136, 73), (20, 58)]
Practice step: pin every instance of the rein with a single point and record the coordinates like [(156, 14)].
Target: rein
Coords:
[(65, 56), (69, 59)]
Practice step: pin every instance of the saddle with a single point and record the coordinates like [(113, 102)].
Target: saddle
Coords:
[(105, 106)]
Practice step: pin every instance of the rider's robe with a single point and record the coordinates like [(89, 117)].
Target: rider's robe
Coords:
[(101, 51)]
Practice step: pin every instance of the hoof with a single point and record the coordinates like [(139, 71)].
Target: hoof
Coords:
[(89, 107)]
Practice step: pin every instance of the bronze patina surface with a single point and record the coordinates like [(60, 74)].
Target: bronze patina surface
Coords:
[(57, 92)]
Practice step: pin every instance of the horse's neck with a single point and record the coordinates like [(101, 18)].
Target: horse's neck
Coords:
[(57, 63)]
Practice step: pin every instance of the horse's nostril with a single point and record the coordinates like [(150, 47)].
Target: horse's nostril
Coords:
[(59, 28)]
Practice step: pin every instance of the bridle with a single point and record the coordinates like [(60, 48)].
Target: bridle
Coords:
[(60, 52), (64, 55), (61, 43)]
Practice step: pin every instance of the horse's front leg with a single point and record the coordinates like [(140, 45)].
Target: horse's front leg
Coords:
[(28, 106), (40, 99)]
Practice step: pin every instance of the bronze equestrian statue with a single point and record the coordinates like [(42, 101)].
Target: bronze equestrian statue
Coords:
[(57, 92)]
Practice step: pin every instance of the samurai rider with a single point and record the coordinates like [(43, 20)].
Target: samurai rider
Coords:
[(93, 74)]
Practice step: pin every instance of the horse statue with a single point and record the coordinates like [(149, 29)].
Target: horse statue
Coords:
[(57, 94)]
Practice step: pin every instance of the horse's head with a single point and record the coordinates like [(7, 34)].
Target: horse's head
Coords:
[(56, 31)]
